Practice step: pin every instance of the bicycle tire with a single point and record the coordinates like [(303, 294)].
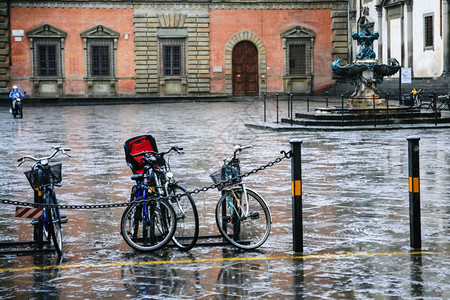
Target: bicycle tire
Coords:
[(249, 230), (148, 235), (54, 222), (186, 233)]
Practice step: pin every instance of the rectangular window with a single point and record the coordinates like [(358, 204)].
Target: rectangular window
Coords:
[(172, 60), (47, 60), (172, 57), (100, 57), (47, 57), (100, 61), (429, 38), (299, 57)]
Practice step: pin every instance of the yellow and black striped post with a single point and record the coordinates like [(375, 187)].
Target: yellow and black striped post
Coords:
[(296, 175), (414, 192)]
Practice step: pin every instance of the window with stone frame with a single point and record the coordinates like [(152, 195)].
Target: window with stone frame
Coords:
[(100, 47), (298, 56), (428, 32), (100, 57), (47, 57), (172, 54), (47, 51)]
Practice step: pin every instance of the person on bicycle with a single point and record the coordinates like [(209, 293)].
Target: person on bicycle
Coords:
[(15, 94)]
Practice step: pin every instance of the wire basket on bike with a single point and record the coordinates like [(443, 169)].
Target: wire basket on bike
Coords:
[(227, 175), (44, 176)]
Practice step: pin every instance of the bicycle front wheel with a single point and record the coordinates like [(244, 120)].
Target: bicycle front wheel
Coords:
[(53, 221), (243, 218), (148, 226), (186, 234)]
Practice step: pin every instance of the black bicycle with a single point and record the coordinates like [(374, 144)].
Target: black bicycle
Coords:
[(242, 215), (43, 178), (157, 182)]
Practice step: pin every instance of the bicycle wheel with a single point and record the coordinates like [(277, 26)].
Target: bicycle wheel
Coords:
[(148, 226), (244, 221), (186, 234), (54, 222)]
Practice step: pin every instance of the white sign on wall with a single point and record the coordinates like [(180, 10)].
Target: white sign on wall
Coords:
[(406, 75), (17, 32)]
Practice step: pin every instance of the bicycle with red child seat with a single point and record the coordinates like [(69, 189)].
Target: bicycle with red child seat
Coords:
[(242, 215), (163, 209)]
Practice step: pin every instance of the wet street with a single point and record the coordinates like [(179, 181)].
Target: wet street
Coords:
[(355, 208)]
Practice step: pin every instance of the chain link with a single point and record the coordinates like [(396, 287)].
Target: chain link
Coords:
[(124, 204)]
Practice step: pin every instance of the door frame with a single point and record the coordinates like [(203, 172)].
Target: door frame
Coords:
[(245, 35), (249, 48)]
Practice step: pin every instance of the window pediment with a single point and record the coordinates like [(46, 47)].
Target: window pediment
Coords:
[(100, 31), (298, 32), (390, 3), (46, 31)]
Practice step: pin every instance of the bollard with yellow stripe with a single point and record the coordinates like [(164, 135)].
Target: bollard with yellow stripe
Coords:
[(414, 186), (296, 188), (296, 183), (414, 192)]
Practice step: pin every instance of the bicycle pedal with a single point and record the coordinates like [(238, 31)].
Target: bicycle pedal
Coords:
[(226, 219), (64, 219), (254, 216)]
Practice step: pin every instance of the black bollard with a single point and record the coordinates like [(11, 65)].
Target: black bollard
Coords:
[(414, 192), (292, 107), (289, 105), (374, 112), (307, 101), (435, 107), (265, 107), (342, 109), (327, 97), (277, 108), (296, 176), (386, 96)]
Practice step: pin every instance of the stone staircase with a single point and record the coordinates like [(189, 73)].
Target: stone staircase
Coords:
[(338, 116)]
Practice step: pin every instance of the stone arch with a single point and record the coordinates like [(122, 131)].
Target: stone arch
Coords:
[(245, 35)]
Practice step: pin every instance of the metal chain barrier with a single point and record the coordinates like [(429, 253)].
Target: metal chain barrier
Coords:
[(124, 204)]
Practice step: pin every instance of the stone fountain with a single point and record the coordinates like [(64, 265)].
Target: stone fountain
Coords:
[(365, 72)]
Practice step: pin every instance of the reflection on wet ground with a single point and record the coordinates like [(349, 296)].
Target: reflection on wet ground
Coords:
[(355, 194)]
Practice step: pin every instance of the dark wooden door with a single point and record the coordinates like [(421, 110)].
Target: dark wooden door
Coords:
[(245, 69)]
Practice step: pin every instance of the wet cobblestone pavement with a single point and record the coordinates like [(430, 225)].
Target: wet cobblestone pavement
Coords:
[(355, 208)]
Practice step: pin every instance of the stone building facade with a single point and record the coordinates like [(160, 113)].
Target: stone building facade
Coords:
[(198, 48)]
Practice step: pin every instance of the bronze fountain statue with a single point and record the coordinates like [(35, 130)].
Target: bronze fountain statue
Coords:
[(365, 72)]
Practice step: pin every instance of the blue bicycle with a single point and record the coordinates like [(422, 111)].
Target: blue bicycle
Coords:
[(43, 178)]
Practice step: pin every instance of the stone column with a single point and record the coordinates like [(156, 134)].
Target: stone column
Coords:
[(380, 32), (409, 16), (446, 35)]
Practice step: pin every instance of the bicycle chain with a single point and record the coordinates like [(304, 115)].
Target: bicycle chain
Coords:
[(124, 204)]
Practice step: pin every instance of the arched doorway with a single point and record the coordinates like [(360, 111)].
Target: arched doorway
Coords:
[(245, 69)]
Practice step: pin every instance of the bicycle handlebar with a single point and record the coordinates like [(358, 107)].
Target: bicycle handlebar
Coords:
[(238, 149), (161, 154), (57, 150)]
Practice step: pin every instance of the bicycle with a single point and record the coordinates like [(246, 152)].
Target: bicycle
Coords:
[(43, 178), (242, 215), (156, 181)]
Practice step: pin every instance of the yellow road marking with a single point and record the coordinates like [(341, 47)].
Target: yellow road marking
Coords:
[(207, 260)]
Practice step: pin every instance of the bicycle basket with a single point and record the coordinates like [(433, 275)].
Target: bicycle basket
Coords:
[(44, 176), (225, 174)]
